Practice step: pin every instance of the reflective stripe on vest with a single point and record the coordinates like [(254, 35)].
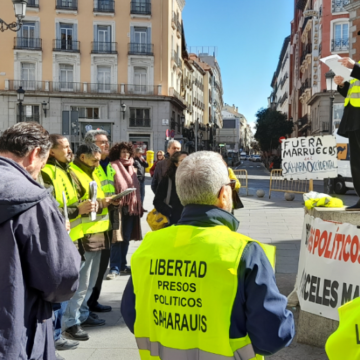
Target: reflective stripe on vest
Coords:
[(102, 223), (344, 343), (62, 183), (107, 180), (185, 283), (353, 94)]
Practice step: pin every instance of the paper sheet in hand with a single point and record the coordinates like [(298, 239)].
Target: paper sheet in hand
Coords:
[(66, 215), (93, 195), (121, 195), (333, 63)]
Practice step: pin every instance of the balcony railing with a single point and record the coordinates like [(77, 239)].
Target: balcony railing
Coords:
[(65, 86), (25, 118), (67, 4), (27, 43), (104, 47), (141, 7), (176, 58), (106, 6), (174, 93), (134, 122), (140, 49), (33, 3), (338, 5), (130, 89), (66, 45), (340, 44)]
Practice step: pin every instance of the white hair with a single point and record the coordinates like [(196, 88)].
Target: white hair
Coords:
[(172, 142), (91, 135), (200, 177)]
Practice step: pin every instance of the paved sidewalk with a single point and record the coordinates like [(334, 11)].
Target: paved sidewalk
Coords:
[(273, 221)]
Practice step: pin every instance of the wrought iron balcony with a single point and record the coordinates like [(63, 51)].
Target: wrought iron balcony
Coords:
[(28, 85), (338, 5), (33, 3), (67, 4), (26, 118), (103, 47), (140, 7), (66, 45), (132, 89), (106, 6), (65, 86), (99, 88), (175, 57), (141, 49), (340, 44), (27, 43), (136, 122)]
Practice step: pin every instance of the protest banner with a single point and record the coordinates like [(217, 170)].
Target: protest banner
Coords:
[(309, 158), (328, 267)]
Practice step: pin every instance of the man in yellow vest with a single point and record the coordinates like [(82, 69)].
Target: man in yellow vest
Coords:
[(83, 172), (350, 124), (56, 174), (106, 174), (199, 289)]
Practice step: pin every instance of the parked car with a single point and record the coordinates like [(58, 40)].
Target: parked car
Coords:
[(257, 158), (233, 158), (251, 157), (243, 156)]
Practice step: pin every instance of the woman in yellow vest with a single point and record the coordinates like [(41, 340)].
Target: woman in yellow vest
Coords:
[(199, 289)]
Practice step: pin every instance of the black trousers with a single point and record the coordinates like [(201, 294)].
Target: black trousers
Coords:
[(104, 263), (354, 143)]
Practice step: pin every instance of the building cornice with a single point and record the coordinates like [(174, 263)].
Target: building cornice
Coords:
[(352, 6), (181, 4)]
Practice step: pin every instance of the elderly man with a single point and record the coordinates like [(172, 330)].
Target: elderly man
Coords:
[(200, 289), (105, 173), (39, 265), (162, 166)]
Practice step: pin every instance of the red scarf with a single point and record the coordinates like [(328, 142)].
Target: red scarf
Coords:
[(125, 178)]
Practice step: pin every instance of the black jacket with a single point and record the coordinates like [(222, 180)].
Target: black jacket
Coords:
[(160, 171), (350, 120), (173, 212), (140, 164), (39, 265)]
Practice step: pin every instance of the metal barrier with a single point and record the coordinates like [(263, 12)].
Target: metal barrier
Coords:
[(278, 183), (242, 176)]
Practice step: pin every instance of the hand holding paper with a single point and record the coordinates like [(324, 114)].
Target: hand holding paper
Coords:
[(334, 62), (93, 195)]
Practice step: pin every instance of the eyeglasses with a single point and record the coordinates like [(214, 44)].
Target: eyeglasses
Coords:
[(232, 184), (103, 142)]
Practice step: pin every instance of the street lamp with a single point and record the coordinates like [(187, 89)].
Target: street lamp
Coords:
[(123, 109), (45, 107), (329, 76), (20, 99), (20, 12)]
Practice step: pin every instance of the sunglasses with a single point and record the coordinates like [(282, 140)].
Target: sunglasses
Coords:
[(232, 184)]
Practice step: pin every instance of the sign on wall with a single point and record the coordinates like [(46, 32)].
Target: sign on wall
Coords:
[(328, 266), (306, 158)]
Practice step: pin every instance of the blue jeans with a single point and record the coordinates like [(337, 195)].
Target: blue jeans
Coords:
[(77, 310), (142, 191), (120, 249), (58, 310)]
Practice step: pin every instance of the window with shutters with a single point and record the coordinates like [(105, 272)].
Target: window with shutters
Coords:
[(139, 118), (66, 77), (87, 112), (103, 78), (140, 80), (29, 113), (140, 41), (340, 41), (28, 37), (28, 76)]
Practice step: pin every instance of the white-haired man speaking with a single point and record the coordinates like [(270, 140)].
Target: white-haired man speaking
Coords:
[(200, 290)]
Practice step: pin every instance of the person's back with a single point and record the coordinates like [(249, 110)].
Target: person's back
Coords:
[(39, 265), (200, 289)]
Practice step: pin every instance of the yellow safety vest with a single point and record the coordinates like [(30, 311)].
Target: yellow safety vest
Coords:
[(185, 282), (107, 180), (62, 183), (353, 95), (102, 223), (344, 343)]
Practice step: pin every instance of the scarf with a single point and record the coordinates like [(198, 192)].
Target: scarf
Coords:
[(125, 177)]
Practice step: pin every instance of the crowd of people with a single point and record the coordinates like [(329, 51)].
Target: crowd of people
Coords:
[(60, 235)]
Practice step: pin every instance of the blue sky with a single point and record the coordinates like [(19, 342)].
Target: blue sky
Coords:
[(249, 36)]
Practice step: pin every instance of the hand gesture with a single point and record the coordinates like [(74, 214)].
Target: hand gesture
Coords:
[(86, 207), (347, 62), (67, 225), (339, 80), (106, 202)]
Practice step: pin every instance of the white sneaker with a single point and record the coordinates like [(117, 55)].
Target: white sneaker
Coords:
[(111, 276)]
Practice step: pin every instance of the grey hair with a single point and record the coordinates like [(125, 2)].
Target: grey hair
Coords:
[(91, 135), (200, 177), (171, 142)]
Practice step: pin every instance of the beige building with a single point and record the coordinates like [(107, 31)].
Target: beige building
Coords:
[(115, 65)]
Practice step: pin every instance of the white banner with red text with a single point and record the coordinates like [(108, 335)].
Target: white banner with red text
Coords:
[(329, 266)]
